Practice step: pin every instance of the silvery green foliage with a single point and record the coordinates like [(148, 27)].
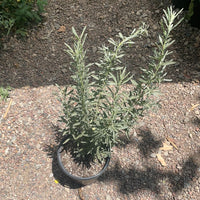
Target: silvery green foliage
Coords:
[(96, 108), (146, 86)]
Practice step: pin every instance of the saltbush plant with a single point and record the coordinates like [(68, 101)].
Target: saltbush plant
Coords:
[(16, 15), (97, 107)]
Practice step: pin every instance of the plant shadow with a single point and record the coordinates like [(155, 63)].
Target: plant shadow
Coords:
[(148, 144), (196, 121), (188, 172), (133, 180)]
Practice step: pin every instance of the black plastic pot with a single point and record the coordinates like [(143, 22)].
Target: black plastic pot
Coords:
[(77, 179)]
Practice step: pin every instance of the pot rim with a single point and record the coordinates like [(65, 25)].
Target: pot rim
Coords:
[(79, 178)]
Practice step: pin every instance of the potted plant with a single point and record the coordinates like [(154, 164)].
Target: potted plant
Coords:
[(98, 108)]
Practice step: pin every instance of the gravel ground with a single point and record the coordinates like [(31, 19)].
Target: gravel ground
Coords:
[(162, 159)]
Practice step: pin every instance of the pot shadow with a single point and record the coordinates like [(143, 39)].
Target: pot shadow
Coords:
[(58, 174), (133, 180)]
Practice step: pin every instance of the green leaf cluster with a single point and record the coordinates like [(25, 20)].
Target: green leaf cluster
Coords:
[(4, 93), (97, 108), (16, 15)]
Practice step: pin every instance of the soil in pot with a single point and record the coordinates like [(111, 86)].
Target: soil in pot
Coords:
[(80, 169)]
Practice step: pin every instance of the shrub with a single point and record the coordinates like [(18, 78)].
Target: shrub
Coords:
[(97, 108), (16, 15)]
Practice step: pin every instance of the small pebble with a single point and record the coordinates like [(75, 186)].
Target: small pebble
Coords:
[(38, 166), (139, 12), (154, 27), (7, 150), (176, 178), (197, 112), (64, 71), (108, 197), (153, 155), (94, 49), (178, 167), (166, 153)]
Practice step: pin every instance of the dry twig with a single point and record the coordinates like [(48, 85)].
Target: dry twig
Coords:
[(8, 108)]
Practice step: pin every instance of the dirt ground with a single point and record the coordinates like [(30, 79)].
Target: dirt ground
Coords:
[(162, 159)]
